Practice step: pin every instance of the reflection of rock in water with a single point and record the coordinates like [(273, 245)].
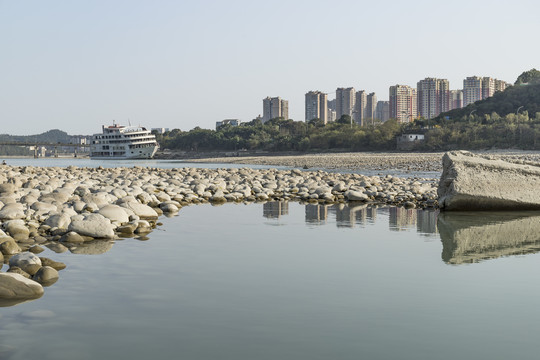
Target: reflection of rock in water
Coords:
[(472, 237), (94, 247), (275, 209)]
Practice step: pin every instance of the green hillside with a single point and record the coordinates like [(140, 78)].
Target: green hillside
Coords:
[(523, 96), (51, 136)]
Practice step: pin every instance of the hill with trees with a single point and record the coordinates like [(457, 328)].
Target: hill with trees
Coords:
[(508, 119), (51, 136)]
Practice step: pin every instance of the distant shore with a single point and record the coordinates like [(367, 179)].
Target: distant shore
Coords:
[(373, 161)]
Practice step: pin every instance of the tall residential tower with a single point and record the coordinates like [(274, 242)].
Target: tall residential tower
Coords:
[(403, 103), (433, 97), (275, 108), (317, 106), (345, 102)]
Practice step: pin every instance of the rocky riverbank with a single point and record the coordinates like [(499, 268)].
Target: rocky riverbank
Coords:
[(74, 208), (362, 161)]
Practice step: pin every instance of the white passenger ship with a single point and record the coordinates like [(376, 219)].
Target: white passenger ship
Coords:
[(123, 142)]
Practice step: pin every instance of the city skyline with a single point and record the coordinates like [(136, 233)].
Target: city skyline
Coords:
[(77, 66)]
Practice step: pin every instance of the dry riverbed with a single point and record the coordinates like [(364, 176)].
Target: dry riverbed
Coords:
[(399, 162)]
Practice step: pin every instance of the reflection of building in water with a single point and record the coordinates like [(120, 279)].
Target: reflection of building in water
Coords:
[(348, 216), (427, 221), (316, 214), (275, 209), (365, 215), (401, 218), (344, 215)]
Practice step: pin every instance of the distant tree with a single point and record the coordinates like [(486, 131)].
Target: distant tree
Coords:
[(528, 77), (344, 119), (316, 122)]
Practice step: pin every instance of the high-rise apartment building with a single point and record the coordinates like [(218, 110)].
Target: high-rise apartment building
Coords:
[(488, 87), (275, 108), (501, 85), (472, 90), (382, 111), (371, 107), (317, 106), (332, 104), (360, 107), (331, 115), (403, 103), (345, 100), (456, 99), (477, 88), (433, 97)]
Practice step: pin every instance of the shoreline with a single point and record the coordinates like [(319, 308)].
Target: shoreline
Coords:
[(407, 162), (70, 208)]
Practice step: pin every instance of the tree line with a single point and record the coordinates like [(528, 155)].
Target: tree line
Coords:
[(285, 135)]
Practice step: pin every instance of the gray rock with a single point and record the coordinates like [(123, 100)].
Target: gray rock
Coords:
[(52, 263), (8, 246), (18, 270), (57, 247), (12, 212), (471, 182), (141, 210), (27, 261), (46, 276), (72, 237), (60, 221), (7, 188), (15, 288), (17, 229), (94, 225), (114, 213), (353, 195)]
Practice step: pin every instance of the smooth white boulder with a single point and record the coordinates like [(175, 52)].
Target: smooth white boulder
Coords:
[(141, 210), (114, 213), (93, 225), (15, 288), (27, 261), (12, 212), (352, 195), (61, 221)]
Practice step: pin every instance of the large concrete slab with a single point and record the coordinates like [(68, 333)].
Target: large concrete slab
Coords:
[(471, 182)]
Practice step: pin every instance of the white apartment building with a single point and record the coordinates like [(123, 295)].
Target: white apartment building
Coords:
[(275, 108), (433, 97), (345, 102), (317, 106), (403, 103)]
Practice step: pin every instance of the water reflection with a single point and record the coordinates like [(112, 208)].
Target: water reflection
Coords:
[(349, 216), (473, 237), (275, 209)]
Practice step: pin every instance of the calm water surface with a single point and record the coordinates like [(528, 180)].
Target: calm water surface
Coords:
[(292, 281)]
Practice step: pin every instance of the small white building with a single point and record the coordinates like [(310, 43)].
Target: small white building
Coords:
[(407, 141), (232, 122), (160, 130)]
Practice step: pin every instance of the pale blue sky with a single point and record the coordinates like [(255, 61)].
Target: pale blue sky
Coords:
[(75, 65)]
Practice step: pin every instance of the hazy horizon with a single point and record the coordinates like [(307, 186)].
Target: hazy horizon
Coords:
[(77, 65)]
